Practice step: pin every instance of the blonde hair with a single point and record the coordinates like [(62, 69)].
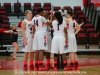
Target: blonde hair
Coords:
[(27, 11), (12, 26)]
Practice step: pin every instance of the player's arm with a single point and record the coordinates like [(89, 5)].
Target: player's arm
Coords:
[(34, 29), (23, 27), (19, 30), (66, 33), (77, 29), (47, 22), (9, 31), (81, 24)]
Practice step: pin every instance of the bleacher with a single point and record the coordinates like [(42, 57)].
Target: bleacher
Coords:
[(87, 39)]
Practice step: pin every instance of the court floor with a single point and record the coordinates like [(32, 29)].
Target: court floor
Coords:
[(89, 65)]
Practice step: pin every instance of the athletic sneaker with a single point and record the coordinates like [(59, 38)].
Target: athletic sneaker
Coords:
[(42, 67), (55, 69), (36, 68), (65, 68), (31, 67), (77, 67), (49, 66), (71, 67), (25, 67)]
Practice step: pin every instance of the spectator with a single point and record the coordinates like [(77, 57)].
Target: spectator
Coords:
[(63, 12)]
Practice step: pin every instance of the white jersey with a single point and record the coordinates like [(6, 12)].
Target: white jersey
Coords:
[(63, 13), (58, 29), (48, 29), (71, 26), (29, 28), (39, 23)]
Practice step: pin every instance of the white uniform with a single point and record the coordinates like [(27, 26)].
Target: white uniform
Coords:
[(49, 39), (72, 47), (58, 41), (29, 34), (63, 13), (40, 37)]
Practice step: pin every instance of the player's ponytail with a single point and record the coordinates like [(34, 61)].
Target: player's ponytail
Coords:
[(58, 16)]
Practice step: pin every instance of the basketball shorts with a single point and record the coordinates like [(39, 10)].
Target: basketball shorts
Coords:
[(72, 44), (28, 47), (49, 39), (58, 44), (40, 41)]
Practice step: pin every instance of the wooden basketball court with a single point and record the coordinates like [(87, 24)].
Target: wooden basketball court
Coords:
[(89, 65)]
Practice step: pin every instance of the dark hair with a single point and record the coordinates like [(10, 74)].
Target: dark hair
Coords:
[(70, 11), (58, 16), (39, 10)]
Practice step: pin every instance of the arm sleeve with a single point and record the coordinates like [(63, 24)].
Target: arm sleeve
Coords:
[(43, 19)]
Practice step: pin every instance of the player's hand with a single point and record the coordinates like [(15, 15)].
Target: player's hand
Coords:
[(51, 15), (32, 36), (66, 41), (25, 41)]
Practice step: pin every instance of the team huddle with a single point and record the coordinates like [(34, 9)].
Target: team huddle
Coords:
[(37, 39)]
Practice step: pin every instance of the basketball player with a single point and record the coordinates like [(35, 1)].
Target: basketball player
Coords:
[(27, 33), (49, 39), (59, 65), (40, 38), (14, 37), (59, 38), (72, 28), (63, 12)]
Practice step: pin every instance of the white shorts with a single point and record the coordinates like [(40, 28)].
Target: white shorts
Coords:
[(28, 47), (49, 39), (72, 46), (40, 41), (58, 44)]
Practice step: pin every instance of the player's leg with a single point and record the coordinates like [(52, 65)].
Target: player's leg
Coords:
[(55, 61), (64, 62), (35, 48), (76, 62), (31, 60), (36, 60), (63, 51), (31, 54), (54, 50), (41, 48), (25, 57), (28, 49), (41, 54), (71, 50), (16, 48), (47, 53), (71, 57), (47, 58)]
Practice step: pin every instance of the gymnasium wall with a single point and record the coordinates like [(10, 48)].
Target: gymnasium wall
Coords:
[(54, 2)]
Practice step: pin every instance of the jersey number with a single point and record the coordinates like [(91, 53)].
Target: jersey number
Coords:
[(58, 26), (36, 22)]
